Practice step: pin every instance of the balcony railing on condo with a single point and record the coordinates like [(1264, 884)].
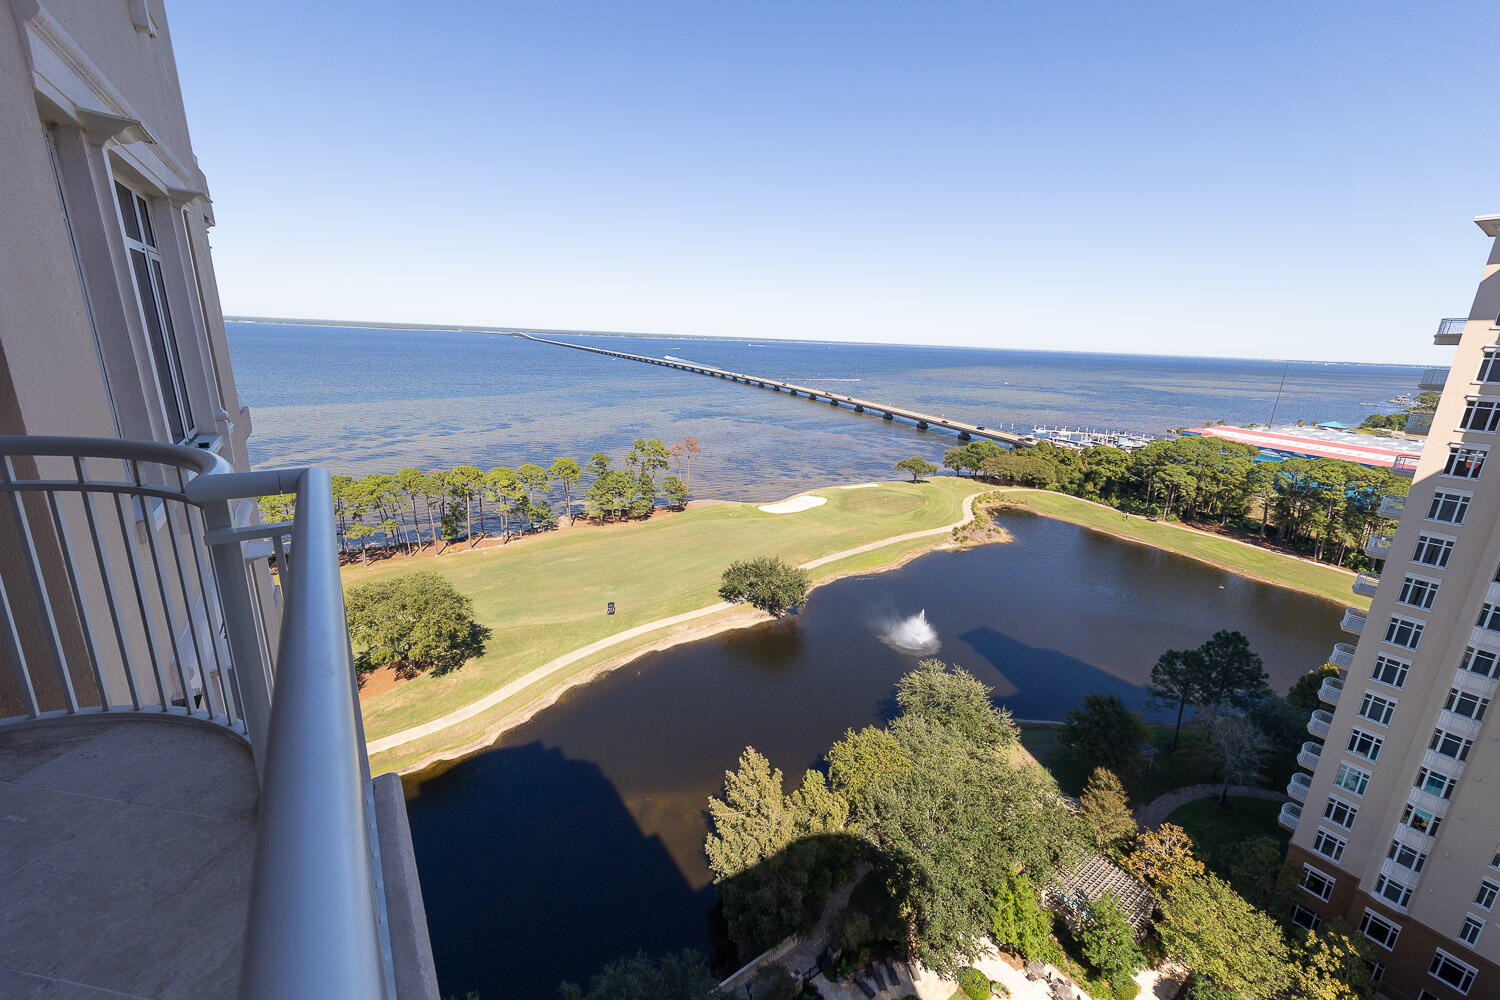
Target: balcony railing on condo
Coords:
[(1418, 423), (1449, 331), (1405, 465), (1433, 379), (1365, 584), (1353, 621), (1296, 789), (1319, 723), (1309, 755), (1342, 655), (1330, 690), (1426, 801), (1391, 506), (1290, 815), (1478, 685), (1378, 546), (143, 606)]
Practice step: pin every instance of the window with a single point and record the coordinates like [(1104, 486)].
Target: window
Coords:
[(1406, 857), (1418, 593), (1420, 820), (1470, 706), (1480, 415), (1340, 813), (1392, 891), (1489, 617), (1366, 745), (1433, 551), (1485, 897), (1378, 929), (1352, 779), (1303, 917), (1464, 463), (1469, 932), (1450, 970), (1427, 995), (1316, 882), (1389, 670), (1376, 970), (1479, 661), (1489, 368), (151, 298), (1448, 507), (1377, 709), (1450, 745), (1404, 632), (1329, 846), (1435, 784)]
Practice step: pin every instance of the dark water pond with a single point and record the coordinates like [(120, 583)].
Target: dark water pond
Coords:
[(579, 837)]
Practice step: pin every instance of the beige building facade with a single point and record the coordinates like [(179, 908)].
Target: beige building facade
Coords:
[(1397, 826)]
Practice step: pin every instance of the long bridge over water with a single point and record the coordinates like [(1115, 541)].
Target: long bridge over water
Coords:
[(923, 421)]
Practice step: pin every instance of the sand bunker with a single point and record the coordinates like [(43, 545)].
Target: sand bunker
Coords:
[(794, 505), (861, 486)]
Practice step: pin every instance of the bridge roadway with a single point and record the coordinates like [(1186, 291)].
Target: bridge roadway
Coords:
[(922, 420)]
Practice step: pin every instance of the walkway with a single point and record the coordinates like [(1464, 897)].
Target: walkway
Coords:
[(551, 667), (922, 420), (1155, 812)]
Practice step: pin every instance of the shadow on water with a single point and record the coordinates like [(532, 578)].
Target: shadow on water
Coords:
[(528, 834), (1021, 666)]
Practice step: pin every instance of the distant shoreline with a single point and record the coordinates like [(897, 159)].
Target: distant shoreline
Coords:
[(469, 328)]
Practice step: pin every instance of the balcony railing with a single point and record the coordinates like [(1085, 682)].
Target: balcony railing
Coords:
[(1405, 465), (1426, 801), (1353, 621), (1309, 755), (1449, 331), (1296, 789), (1418, 423), (143, 606), (1433, 379), (1476, 684), (1330, 690), (1434, 761), (1459, 725), (1319, 723), (1378, 546), (1342, 655), (1391, 506), (1365, 584), (1290, 815)]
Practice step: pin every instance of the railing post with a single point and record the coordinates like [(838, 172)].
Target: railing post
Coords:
[(252, 680)]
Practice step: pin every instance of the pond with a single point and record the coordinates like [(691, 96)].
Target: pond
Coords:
[(578, 838)]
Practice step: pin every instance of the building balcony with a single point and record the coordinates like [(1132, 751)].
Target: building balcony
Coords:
[(1391, 506), (1405, 465), (1309, 755), (1401, 876), (1471, 683), (1365, 584), (1342, 655), (1330, 690), (1290, 815), (1434, 761), (1428, 802), (1297, 788), (171, 837), (1378, 546), (1319, 723), (1449, 331), (1459, 725), (1353, 621), (1433, 379)]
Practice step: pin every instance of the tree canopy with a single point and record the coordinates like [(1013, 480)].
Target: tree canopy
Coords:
[(767, 583), (1104, 732), (918, 466), (416, 621), (680, 976)]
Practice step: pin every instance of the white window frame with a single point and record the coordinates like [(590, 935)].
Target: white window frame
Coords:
[(1472, 653), (1433, 820), (1460, 501), (1363, 779), (1440, 735), (1456, 697), (1308, 920), (1385, 705), (1486, 887), (1469, 458), (1372, 918), (1432, 540), (1429, 589), (1488, 365), (1402, 889), (1401, 669), (1469, 972), (1470, 921), (1398, 850), (1413, 628), (1309, 873), (1350, 812), (1377, 743), (1475, 405), (1340, 843), (1449, 783)]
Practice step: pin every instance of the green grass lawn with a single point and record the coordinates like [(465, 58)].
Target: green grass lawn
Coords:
[(1215, 828), (1246, 560), (545, 595)]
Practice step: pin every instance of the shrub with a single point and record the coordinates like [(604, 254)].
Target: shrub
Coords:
[(1125, 989), (773, 982), (1104, 732), (975, 984), (417, 621)]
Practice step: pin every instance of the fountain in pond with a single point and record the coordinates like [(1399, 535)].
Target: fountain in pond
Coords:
[(912, 635)]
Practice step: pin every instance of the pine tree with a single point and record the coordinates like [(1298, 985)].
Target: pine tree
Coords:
[(1106, 813)]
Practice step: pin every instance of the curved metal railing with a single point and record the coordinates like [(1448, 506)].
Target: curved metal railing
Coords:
[(132, 594)]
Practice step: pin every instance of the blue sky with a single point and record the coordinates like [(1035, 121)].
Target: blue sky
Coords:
[(1261, 180)]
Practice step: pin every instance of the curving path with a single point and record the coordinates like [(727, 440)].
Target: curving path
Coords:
[(529, 678), (1155, 812)]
